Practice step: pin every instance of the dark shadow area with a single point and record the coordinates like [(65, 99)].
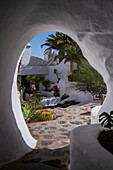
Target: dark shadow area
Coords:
[(42, 159), (86, 113), (66, 104), (105, 138)]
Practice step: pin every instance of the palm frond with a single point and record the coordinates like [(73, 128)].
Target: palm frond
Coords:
[(47, 49), (45, 44), (53, 36)]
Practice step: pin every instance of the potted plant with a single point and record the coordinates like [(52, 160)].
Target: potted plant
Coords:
[(106, 136)]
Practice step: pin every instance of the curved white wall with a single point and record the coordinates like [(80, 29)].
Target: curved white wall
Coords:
[(86, 152), (16, 106), (88, 22)]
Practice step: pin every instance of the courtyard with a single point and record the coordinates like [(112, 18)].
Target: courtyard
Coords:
[(54, 137)]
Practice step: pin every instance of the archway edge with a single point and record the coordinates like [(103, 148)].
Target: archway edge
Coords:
[(20, 22)]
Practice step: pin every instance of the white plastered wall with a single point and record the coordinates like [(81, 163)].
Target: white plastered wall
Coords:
[(89, 23)]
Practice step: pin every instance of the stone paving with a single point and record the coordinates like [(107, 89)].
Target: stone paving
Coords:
[(53, 137), (55, 134)]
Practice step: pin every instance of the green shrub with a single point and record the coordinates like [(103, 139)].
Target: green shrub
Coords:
[(28, 111), (35, 101)]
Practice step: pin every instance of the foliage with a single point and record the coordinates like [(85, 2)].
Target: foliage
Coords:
[(67, 48), (31, 115), (46, 83), (65, 96), (42, 115), (35, 79), (28, 111), (28, 90), (35, 101), (106, 119), (21, 96), (88, 79)]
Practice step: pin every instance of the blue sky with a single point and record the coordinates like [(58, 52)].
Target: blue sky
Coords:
[(36, 43)]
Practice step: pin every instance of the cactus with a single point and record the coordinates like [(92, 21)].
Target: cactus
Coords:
[(44, 115)]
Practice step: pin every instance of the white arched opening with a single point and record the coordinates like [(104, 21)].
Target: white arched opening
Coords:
[(81, 20)]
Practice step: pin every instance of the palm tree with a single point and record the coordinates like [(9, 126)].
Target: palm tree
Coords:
[(87, 77), (55, 42), (67, 48)]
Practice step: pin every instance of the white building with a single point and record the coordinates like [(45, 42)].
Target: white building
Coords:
[(56, 72)]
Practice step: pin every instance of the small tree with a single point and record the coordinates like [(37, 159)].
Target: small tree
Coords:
[(35, 101), (88, 79), (35, 79), (46, 84)]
